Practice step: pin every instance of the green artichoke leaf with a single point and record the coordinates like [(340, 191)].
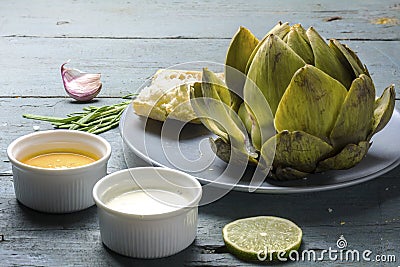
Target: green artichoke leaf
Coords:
[(221, 148), (245, 117), (354, 121), (272, 69), (223, 151), (232, 124), (384, 107), (350, 57), (298, 150), (255, 132), (297, 40), (350, 156), (239, 51), (311, 103), (261, 116), (214, 93), (214, 87), (280, 30), (326, 59), (200, 108), (288, 173), (285, 38)]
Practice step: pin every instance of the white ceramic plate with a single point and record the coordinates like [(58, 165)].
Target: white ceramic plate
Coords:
[(143, 137)]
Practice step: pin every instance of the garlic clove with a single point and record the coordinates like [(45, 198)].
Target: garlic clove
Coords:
[(79, 85)]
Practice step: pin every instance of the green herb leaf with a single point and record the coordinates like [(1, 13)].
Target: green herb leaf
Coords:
[(92, 119)]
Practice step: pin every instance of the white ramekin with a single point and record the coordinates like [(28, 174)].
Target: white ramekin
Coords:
[(154, 235), (57, 190)]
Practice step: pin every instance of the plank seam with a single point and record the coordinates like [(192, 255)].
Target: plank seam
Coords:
[(174, 38), (118, 37)]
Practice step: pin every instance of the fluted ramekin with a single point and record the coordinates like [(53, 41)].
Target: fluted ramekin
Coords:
[(151, 235), (57, 190)]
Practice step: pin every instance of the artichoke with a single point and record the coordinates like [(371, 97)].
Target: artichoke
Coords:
[(299, 106)]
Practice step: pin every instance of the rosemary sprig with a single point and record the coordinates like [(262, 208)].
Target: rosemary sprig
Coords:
[(130, 96), (92, 119)]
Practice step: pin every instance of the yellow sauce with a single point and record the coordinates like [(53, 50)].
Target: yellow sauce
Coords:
[(59, 160)]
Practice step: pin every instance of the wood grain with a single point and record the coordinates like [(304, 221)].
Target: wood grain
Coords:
[(35, 238), (197, 19), (126, 64), (367, 214)]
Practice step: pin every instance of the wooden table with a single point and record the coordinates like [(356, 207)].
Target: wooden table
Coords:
[(127, 41)]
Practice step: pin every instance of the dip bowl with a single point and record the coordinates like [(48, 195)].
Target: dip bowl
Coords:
[(61, 190), (147, 212)]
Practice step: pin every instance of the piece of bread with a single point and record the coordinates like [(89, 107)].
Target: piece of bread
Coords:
[(168, 95)]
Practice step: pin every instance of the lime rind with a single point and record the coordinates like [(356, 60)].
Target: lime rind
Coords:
[(250, 238)]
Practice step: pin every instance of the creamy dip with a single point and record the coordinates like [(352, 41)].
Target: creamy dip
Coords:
[(151, 201)]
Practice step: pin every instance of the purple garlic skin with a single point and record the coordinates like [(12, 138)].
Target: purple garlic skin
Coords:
[(79, 85)]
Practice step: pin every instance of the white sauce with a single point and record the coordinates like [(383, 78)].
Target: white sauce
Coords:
[(151, 201)]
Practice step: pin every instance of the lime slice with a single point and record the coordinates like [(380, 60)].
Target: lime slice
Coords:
[(262, 238)]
